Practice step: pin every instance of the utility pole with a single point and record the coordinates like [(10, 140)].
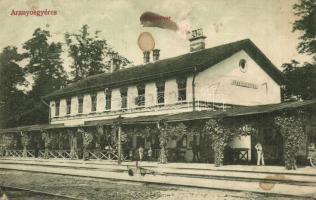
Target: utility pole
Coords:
[(119, 144)]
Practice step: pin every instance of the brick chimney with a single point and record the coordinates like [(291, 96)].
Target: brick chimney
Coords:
[(156, 54), (197, 40), (146, 56), (115, 62)]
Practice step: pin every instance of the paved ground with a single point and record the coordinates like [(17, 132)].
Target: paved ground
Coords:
[(91, 188), (239, 178), (250, 168), (306, 174)]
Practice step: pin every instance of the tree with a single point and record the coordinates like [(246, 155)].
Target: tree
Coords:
[(306, 11), (89, 54), (300, 80), (45, 63), (11, 75), (45, 66)]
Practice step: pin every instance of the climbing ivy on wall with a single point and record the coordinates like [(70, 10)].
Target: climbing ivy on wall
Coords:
[(47, 139), (25, 139), (291, 128), (222, 131), (220, 135), (7, 141), (47, 142), (87, 138), (114, 135), (168, 132)]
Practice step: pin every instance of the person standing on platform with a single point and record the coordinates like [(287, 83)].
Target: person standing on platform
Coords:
[(150, 154), (195, 151), (260, 157), (141, 153)]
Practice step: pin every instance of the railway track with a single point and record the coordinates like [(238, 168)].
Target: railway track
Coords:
[(116, 172), (119, 169), (13, 192)]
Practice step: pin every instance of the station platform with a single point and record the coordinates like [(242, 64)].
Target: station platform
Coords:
[(258, 179)]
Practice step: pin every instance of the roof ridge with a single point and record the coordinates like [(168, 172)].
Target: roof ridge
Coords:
[(143, 65), (169, 67)]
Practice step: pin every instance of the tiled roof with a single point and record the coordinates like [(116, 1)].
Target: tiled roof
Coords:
[(171, 67)]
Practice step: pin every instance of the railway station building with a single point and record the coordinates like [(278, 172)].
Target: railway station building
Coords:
[(234, 80)]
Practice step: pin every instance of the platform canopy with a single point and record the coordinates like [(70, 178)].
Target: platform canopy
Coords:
[(179, 117), (35, 127)]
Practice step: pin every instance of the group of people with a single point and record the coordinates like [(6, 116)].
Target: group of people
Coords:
[(141, 153), (195, 151)]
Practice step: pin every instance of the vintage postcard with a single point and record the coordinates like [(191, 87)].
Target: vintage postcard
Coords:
[(158, 100)]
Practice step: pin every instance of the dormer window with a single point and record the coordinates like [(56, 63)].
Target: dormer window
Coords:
[(68, 103), (182, 89), (160, 92), (93, 102), (123, 98), (140, 99)]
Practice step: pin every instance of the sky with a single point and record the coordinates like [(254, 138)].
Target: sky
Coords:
[(268, 23)]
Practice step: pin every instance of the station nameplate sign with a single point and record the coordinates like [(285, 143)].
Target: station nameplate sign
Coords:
[(244, 84)]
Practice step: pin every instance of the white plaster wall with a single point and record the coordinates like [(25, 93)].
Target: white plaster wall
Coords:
[(100, 101), (131, 95), (242, 142), (52, 105), (151, 94), (101, 116), (116, 99), (86, 103), (217, 80), (171, 91), (74, 105), (189, 88), (62, 109)]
